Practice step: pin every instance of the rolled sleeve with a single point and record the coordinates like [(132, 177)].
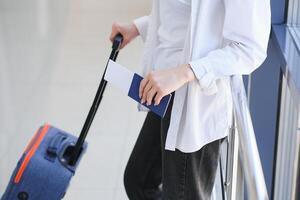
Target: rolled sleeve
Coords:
[(206, 79), (245, 43), (141, 24)]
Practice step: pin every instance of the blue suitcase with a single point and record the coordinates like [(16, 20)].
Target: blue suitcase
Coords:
[(50, 159)]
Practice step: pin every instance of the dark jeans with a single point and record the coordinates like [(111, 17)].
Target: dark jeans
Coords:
[(153, 173)]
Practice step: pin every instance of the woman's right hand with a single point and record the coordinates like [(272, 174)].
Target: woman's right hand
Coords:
[(129, 31)]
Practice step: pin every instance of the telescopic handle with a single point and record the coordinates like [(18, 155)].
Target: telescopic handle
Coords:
[(97, 100)]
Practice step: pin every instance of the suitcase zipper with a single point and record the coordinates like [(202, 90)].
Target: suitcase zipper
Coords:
[(36, 141)]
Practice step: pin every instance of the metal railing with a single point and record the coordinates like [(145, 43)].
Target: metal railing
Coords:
[(286, 179), (249, 159)]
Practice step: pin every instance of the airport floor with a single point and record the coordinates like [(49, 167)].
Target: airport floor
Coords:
[(52, 56)]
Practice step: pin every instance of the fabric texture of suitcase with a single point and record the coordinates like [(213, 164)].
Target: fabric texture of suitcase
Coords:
[(42, 173), (51, 158)]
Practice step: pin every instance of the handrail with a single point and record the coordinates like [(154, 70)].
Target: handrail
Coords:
[(248, 150)]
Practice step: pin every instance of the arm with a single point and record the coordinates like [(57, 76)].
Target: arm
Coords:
[(246, 33), (130, 30), (141, 24)]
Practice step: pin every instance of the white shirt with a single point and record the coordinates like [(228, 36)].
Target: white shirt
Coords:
[(225, 38), (171, 36)]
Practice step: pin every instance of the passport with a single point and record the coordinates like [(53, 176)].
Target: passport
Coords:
[(129, 83)]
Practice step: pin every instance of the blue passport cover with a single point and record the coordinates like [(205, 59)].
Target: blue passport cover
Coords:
[(133, 92)]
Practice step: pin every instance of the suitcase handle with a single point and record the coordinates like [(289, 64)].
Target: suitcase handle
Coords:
[(53, 147), (97, 100)]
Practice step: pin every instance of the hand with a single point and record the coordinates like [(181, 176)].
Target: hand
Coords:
[(128, 31), (160, 83)]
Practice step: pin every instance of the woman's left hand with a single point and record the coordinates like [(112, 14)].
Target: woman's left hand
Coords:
[(160, 83)]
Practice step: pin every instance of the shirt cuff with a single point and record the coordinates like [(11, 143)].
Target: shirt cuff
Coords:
[(206, 79), (141, 24)]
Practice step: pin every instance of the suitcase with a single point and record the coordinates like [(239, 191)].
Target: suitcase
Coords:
[(49, 161)]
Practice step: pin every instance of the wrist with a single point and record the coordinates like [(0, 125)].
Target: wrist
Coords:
[(135, 31), (188, 73)]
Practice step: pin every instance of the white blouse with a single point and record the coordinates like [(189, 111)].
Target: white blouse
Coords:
[(224, 38), (171, 36)]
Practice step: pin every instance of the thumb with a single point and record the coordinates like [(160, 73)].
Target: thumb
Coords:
[(115, 30)]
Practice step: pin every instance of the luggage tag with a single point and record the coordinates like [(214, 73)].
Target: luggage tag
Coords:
[(129, 83)]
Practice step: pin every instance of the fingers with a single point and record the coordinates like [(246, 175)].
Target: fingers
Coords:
[(114, 31), (150, 95), (150, 90), (153, 94), (142, 86), (158, 97), (146, 89), (128, 31)]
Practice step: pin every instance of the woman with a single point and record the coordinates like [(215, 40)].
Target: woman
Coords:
[(192, 47)]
